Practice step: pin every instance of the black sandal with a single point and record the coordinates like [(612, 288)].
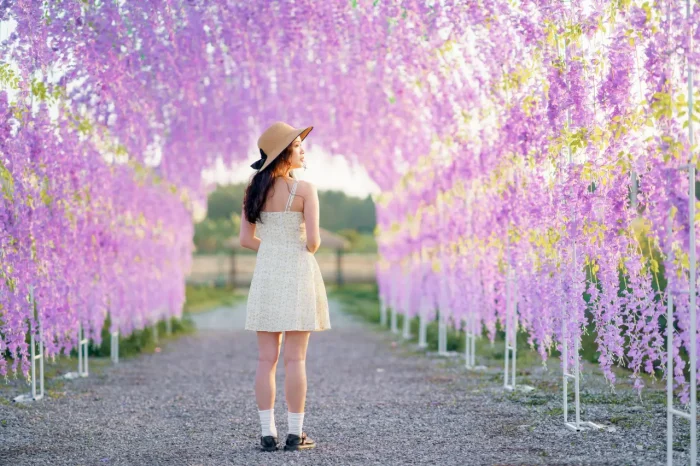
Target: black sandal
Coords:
[(295, 442), (268, 443)]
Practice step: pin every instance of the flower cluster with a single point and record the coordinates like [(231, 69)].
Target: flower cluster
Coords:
[(537, 140)]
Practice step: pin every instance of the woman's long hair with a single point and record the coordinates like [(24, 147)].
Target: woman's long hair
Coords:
[(257, 191)]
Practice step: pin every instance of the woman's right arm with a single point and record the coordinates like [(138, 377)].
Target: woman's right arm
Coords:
[(247, 237), (311, 218)]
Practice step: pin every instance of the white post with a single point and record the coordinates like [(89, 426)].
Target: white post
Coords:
[(442, 322), (82, 356), (394, 304), (406, 335), (578, 425), (447, 285), (406, 306), (84, 346), (469, 341), (114, 347), (691, 415), (423, 329), (467, 345), (506, 324), (155, 331), (472, 332), (33, 396), (669, 351), (511, 322), (382, 312), (394, 319), (693, 272)]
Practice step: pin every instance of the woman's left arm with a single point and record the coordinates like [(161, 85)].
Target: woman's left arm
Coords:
[(247, 237), (311, 218)]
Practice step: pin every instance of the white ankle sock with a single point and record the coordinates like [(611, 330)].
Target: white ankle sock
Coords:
[(267, 422), (295, 421)]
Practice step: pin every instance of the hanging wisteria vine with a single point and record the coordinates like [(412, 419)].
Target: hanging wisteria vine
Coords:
[(504, 135)]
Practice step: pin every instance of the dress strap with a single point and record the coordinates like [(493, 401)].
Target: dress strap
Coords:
[(291, 196)]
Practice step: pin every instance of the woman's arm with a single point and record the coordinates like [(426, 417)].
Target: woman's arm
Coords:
[(247, 237), (311, 218)]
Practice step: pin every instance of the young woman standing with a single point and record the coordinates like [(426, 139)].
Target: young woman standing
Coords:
[(280, 221)]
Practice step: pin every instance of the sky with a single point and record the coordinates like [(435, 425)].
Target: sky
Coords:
[(326, 171)]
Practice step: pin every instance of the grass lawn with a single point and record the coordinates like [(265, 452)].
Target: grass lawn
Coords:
[(200, 298), (362, 300)]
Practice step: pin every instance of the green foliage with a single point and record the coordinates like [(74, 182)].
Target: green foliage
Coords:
[(361, 300), (140, 341), (359, 242), (339, 213), (211, 234), (8, 78), (200, 298)]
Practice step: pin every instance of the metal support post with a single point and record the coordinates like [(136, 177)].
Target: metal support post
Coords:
[(691, 414), (394, 304), (469, 342), (510, 343), (442, 315), (406, 307), (382, 312), (442, 334), (82, 356), (423, 328), (671, 411), (442, 327), (577, 425), (155, 331), (35, 356), (406, 335), (114, 347)]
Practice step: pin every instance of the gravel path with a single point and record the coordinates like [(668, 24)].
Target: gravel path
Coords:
[(369, 402)]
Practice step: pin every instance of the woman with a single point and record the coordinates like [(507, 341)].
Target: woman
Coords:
[(287, 293)]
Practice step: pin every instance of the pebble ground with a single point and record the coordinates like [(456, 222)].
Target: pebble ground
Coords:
[(371, 401)]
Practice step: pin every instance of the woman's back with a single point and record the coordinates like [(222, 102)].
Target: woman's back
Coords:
[(287, 291), (278, 199), (280, 226)]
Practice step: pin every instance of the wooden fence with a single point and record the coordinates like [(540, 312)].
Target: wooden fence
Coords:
[(238, 268)]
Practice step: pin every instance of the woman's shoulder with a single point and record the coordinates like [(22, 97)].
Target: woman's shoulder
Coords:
[(305, 187)]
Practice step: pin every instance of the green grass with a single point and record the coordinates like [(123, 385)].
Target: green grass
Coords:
[(199, 298), (362, 300), (140, 341)]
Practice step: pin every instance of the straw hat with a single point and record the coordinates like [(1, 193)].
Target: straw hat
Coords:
[(275, 140)]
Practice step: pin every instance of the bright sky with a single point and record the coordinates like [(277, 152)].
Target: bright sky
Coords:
[(324, 170)]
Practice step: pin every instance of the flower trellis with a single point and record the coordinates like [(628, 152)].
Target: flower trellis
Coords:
[(540, 136)]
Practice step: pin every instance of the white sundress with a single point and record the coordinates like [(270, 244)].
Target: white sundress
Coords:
[(287, 291)]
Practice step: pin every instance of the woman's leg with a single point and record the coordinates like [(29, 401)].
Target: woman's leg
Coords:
[(295, 344), (268, 354)]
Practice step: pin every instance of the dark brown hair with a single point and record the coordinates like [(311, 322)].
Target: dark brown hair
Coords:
[(257, 191)]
